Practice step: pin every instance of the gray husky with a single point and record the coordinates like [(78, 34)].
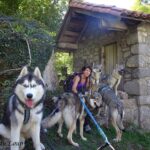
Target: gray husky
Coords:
[(114, 107), (68, 109), (23, 114)]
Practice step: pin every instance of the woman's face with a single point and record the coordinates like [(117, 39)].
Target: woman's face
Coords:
[(87, 72)]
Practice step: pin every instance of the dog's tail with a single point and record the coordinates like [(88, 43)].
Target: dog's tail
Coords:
[(52, 119)]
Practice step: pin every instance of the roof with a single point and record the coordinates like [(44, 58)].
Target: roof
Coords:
[(109, 10), (76, 19)]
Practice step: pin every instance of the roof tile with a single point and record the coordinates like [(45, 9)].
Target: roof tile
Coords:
[(108, 9)]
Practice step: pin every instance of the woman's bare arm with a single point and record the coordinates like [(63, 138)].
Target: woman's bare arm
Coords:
[(75, 83), (88, 84)]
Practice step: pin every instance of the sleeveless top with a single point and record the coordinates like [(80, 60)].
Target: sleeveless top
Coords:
[(81, 87)]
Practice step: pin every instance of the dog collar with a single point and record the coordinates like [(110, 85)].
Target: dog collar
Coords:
[(27, 109)]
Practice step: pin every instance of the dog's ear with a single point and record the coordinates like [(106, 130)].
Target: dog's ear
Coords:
[(37, 73), (23, 72)]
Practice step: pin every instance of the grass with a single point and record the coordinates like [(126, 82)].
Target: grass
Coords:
[(131, 140)]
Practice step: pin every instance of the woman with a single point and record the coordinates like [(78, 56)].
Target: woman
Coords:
[(81, 83)]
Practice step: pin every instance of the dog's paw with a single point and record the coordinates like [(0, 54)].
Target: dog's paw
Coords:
[(76, 144), (22, 147), (116, 140), (84, 139), (42, 146), (60, 135)]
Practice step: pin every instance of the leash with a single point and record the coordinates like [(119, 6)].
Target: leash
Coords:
[(107, 143)]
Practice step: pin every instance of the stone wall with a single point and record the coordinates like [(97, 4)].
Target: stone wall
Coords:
[(138, 77), (133, 46), (91, 45)]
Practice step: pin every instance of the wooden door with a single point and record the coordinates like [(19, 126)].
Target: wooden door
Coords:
[(111, 59)]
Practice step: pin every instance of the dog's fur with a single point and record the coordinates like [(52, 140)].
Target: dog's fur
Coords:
[(111, 104), (28, 95), (68, 110), (115, 79), (115, 109)]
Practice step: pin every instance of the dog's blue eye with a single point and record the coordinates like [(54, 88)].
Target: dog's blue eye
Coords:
[(26, 85), (33, 85)]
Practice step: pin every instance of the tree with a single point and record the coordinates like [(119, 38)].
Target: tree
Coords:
[(9, 7), (63, 61), (36, 20), (147, 2), (138, 6), (48, 12), (20, 39)]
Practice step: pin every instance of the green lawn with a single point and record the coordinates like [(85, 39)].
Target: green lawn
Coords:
[(131, 140)]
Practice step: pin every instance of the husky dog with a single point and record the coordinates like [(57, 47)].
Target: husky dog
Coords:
[(23, 115), (114, 107), (116, 78), (68, 110), (95, 77), (94, 100), (110, 102)]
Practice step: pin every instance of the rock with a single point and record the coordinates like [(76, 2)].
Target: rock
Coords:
[(136, 87)]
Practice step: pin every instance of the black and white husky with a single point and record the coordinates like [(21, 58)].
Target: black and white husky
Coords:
[(23, 114)]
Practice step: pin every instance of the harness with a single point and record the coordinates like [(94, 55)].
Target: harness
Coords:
[(81, 87), (110, 101), (104, 88), (26, 112)]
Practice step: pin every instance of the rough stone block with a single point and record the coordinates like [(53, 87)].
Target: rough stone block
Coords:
[(131, 111), (132, 38), (138, 61), (144, 100), (141, 73), (140, 49), (136, 87), (145, 118)]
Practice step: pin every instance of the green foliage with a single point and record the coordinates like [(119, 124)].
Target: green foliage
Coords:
[(9, 7), (48, 12), (13, 48), (45, 11), (145, 1), (14, 52), (35, 20), (138, 6), (63, 61)]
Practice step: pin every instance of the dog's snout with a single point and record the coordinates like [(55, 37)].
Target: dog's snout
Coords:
[(29, 95)]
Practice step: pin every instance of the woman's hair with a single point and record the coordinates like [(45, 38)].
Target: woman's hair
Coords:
[(85, 67)]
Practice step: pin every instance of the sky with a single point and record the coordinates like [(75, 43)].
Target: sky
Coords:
[(127, 4)]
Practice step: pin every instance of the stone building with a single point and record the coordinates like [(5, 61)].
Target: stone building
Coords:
[(109, 35)]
